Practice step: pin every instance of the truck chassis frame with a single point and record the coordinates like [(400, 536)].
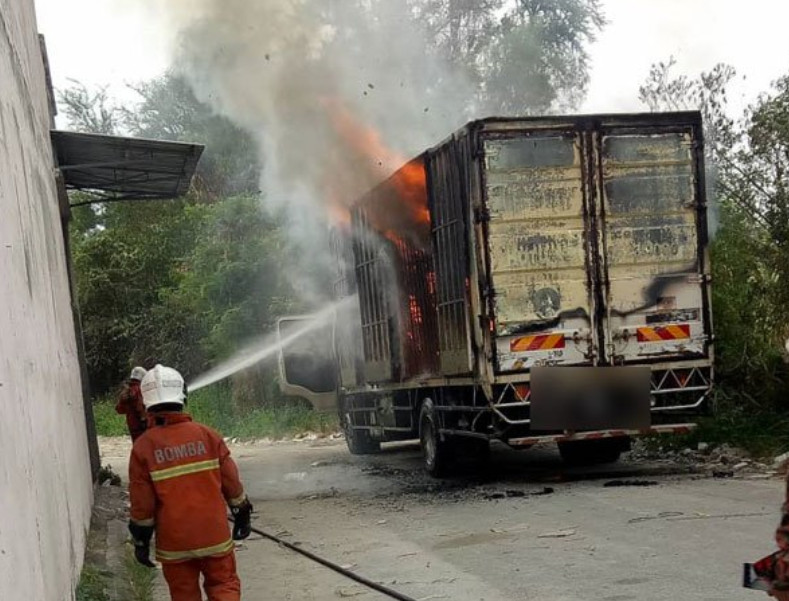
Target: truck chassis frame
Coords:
[(463, 410)]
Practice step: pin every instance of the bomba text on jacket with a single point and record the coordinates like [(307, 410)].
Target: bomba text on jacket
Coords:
[(182, 451)]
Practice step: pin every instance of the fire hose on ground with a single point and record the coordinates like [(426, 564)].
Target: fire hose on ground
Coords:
[(376, 586)]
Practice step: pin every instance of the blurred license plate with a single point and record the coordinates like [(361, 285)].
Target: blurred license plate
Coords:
[(590, 398)]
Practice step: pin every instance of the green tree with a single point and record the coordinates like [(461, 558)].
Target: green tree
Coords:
[(664, 91), (89, 110), (759, 178), (750, 253), (234, 280), (124, 266), (461, 30), (169, 110), (746, 316), (541, 60), (187, 280), (527, 56)]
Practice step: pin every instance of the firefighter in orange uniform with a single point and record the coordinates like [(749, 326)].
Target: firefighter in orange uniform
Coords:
[(130, 404), (181, 477)]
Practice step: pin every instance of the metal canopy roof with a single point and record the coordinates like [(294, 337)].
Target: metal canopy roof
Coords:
[(118, 168)]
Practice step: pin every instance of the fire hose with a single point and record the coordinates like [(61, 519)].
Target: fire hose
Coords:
[(376, 586)]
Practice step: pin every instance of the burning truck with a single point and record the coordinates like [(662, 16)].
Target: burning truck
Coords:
[(527, 280)]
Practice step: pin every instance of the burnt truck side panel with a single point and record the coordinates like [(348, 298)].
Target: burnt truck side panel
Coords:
[(395, 277), (449, 172)]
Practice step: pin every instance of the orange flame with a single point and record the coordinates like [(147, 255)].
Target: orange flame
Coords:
[(396, 208), (361, 147)]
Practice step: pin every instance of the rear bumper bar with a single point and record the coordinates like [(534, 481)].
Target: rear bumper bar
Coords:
[(598, 434)]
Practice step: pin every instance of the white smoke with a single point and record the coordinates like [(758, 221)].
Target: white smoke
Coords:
[(295, 72)]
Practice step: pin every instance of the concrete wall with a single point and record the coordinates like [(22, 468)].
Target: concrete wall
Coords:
[(45, 481)]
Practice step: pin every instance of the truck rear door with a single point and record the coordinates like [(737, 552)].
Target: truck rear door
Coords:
[(595, 236), (651, 214), (538, 242)]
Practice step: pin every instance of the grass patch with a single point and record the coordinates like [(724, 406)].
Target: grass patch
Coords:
[(92, 584), (108, 422), (140, 578), (763, 434), (214, 406), (739, 422)]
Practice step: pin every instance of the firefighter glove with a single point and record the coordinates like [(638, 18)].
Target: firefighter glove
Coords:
[(142, 543), (242, 518)]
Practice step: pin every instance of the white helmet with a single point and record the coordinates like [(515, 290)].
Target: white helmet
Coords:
[(137, 373), (162, 385)]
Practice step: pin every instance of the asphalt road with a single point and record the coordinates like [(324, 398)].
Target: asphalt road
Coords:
[(524, 528)]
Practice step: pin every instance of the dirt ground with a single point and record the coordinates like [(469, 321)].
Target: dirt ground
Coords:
[(526, 528)]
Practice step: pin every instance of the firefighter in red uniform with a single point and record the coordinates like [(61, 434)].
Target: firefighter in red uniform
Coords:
[(181, 477), (131, 405), (780, 585)]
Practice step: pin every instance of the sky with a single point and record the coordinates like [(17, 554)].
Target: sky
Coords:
[(750, 35), (114, 42)]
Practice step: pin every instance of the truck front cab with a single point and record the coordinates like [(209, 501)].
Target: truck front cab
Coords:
[(307, 367)]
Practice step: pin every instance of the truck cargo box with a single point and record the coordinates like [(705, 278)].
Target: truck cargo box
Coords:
[(544, 241)]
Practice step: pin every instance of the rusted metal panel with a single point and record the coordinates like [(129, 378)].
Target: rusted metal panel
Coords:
[(125, 168), (650, 239), (375, 283), (537, 240), (448, 179)]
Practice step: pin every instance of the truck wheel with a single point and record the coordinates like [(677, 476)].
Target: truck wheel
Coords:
[(436, 453), (359, 441), (592, 452)]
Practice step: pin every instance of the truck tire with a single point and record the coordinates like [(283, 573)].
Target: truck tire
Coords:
[(592, 452), (359, 441), (436, 453)]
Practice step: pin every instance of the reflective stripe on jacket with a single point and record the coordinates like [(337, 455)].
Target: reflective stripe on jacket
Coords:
[(181, 477)]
